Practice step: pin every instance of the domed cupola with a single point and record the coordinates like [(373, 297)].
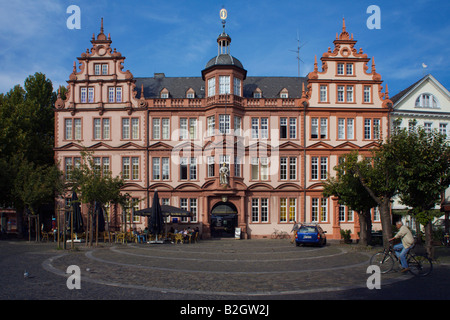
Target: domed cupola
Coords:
[(224, 57)]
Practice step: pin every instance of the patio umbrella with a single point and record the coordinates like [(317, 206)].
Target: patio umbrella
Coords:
[(101, 218), (76, 212), (156, 217)]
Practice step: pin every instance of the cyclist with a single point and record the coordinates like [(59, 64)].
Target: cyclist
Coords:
[(402, 248)]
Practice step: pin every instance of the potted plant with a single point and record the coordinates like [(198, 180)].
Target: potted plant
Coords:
[(346, 235)]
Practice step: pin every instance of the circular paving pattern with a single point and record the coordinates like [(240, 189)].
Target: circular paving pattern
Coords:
[(222, 267)]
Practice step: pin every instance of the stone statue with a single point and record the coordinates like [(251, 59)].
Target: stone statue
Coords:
[(223, 174)]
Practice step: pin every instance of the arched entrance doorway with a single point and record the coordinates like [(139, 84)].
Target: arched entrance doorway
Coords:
[(224, 220)]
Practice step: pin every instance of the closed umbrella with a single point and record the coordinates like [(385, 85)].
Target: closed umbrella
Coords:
[(156, 217), (101, 218)]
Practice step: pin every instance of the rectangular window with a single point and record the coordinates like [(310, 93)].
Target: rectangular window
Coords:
[(211, 87), (341, 128), (376, 129), (68, 129), (97, 69), (193, 169), (264, 168), (83, 95), (293, 128), (135, 168), (323, 128), (264, 210), (443, 129), (283, 210), (183, 168), (255, 168), (211, 123), (211, 166), (183, 128), (237, 126), (255, 210), (224, 84), (314, 168), (349, 93), (323, 93), (184, 206), (293, 168), (156, 168), (77, 129), (165, 169), (323, 209), (97, 129), (237, 166), (106, 166), (314, 128), (224, 123), (340, 97), (340, 68), (126, 168), (264, 128), (367, 96), (341, 213), (125, 128), (315, 210), (156, 128), (350, 129), (193, 128), (349, 69), (323, 168), (237, 86), (106, 129), (166, 128), (118, 94), (193, 209), (111, 93), (367, 129), (283, 128), (68, 167), (135, 128), (292, 209), (104, 69), (428, 127), (90, 95), (255, 128), (283, 168)]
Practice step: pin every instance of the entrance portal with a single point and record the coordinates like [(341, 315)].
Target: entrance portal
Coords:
[(223, 220)]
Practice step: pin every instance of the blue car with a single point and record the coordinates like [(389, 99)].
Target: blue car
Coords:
[(310, 234)]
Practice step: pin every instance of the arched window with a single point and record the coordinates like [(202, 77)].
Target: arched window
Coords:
[(427, 100)]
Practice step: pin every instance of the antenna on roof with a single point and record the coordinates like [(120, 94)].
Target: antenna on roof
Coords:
[(298, 53)]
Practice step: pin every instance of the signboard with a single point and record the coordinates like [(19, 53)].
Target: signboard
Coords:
[(237, 233)]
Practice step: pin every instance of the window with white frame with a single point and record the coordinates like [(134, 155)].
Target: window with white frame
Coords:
[(101, 128), (367, 94), (224, 123), (288, 209), (224, 84), (443, 129), (211, 124), (237, 86), (323, 93), (371, 129), (319, 173), (345, 128), (211, 87), (427, 100), (211, 166), (237, 126), (316, 129), (72, 129)]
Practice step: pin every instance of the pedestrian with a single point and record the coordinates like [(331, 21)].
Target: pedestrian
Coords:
[(294, 231)]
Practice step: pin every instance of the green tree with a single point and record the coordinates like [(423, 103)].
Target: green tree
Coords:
[(350, 192), (94, 185), (424, 163)]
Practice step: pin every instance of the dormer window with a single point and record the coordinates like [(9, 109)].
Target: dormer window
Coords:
[(190, 94), (257, 94), (427, 100), (164, 94), (284, 94)]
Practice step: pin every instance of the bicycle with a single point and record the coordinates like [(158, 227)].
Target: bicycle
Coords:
[(280, 234), (419, 265)]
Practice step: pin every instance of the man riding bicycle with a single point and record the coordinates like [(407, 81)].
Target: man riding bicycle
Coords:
[(402, 248)]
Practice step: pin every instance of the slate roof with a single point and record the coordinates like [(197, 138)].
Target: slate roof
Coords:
[(178, 86), (224, 59)]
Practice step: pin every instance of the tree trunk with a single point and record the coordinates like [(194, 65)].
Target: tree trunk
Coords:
[(369, 227), (429, 239), (386, 222), (362, 229)]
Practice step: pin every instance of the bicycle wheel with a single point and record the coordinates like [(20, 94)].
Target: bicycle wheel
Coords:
[(384, 260), (419, 265)]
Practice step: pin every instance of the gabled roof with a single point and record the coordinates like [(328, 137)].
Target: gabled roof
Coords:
[(404, 93), (178, 86)]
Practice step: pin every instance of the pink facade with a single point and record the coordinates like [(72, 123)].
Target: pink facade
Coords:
[(278, 137)]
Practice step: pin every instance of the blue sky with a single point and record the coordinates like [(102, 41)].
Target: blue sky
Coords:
[(178, 37)]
